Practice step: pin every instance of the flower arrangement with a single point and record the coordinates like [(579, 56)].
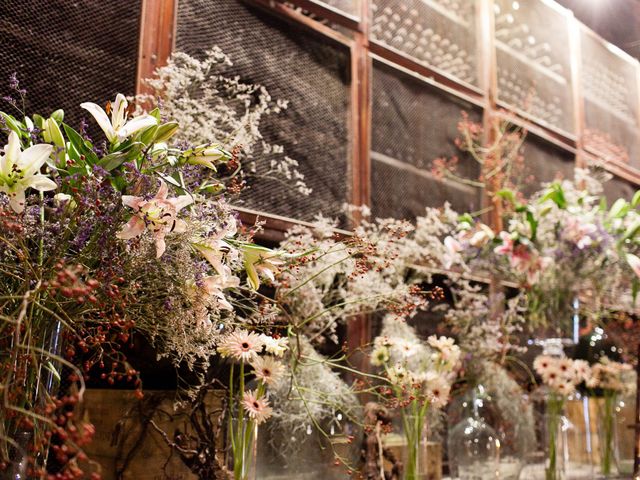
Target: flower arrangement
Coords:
[(560, 375), (102, 241), (614, 379), (256, 355), (418, 376), (557, 246)]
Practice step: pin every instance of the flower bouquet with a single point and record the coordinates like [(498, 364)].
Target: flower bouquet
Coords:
[(418, 377), (560, 376), (102, 241), (613, 379)]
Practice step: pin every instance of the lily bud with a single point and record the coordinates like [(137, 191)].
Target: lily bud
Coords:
[(205, 155), (52, 133)]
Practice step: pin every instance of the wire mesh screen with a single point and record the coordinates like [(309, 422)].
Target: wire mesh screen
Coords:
[(439, 33), (413, 124), (67, 52), (351, 7), (544, 162), (294, 65), (618, 188), (534, 72), (610, 88)]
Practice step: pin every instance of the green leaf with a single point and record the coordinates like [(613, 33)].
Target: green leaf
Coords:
[(507, 195), (635, 288), (466, 218), (13, 124), (635, 201), (533, 224), (619, 208), (38, 120), (169, 179), (603, 204), (148, 135), (556, 195), (631, 231), (49, 366), (155, 113), (166, 131), (113, 160), (58, 115)]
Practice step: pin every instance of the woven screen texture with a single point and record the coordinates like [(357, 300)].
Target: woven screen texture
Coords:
[(66, 52), (413, 124), (544, 162), (295, 65)]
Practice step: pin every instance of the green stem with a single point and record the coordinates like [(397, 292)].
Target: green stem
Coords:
[(608, 418)]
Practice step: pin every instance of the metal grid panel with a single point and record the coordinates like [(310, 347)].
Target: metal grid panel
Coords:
[(66, 52), (618, 188), (534, 69), (610, 89), (544, 162), (413, 124), (352, 7), (438, 33), (293, 64)]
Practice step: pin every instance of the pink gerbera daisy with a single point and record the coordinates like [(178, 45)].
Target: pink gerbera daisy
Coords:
[(256, 407), (267, 369), (241, 345)]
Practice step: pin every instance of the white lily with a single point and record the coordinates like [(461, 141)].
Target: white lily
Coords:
[(21, 170), (118, 128)]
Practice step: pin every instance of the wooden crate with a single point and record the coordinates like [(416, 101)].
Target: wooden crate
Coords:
[(152, 458)]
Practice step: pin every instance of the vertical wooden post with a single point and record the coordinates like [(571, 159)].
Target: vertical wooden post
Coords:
[(157, 38), (359, 328)]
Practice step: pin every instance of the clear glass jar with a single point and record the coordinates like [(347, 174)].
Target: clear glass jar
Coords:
[(473, 446)]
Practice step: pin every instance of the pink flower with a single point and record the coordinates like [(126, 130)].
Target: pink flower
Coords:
[(256, 407), (214, 285), (507, 244), (241, 345), (158, 215), (214, 247)]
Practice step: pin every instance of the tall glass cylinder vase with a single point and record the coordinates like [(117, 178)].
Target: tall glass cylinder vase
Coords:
[(242, 451), (555, 441), (414, 429), (608, 435)]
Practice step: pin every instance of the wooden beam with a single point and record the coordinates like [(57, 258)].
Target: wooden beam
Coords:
[(359, 332), (157, 38)]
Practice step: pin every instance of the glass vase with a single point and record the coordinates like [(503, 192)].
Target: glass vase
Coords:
[(474, 449), (416, 445), (555, 439), (608, 435), (243, 446)]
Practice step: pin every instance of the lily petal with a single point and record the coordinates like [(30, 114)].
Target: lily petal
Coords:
[(101, 117), (34, 157), (161, 245), (180, 226), (132, 202), (182, 201), (133, 228), (16, 200), (136, 124), (118, 111), (252, 275), (42, 183), (12, 152), (163, 191)]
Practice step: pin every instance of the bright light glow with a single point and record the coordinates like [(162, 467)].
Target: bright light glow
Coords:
[(515, 5)]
